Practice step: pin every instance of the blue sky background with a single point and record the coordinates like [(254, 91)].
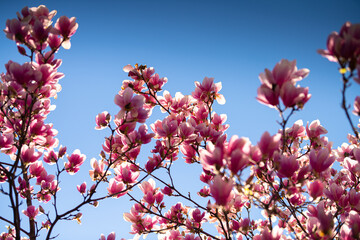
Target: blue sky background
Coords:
[(232, 41)]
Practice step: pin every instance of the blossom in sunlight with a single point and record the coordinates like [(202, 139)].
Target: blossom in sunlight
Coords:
[(208, 91), (116, 189), (31, 212), (76, 159), (269, 144), (81, 188), (29, 155), (66, 27), (281, 83), (102, 120), (220, 190), (321, 160)]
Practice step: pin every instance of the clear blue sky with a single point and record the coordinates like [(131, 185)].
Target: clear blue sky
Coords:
[(232, 41)]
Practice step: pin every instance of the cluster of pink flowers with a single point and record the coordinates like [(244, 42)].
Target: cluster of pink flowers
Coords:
[(26, 92), (280, 83), (288, 176)]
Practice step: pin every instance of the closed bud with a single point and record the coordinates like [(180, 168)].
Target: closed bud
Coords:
[(21, 50)]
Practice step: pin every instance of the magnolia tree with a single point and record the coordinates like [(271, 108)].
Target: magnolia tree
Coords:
[(289, 177)]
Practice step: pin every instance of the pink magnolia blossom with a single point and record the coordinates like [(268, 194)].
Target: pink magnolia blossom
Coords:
[(167, 191), (156, 83), (186, 131), (208, 91), (268, 96), (280, 82), (98, 169), (212, 157), (220, 190), (147, 186), (275, 234), (44, 177), (287, 166), (29, 155), (197, 215), (165, 128), (297, 130), (76, 159), (31, 212), (127, 173), (6, 143), (315, 189), (16, 30), (111, 236), (50, 157), (36, 169), (321, 160), (116, 189), (237, 161), (21, 74), (343, 45), (357, 106), (66, 27), (354, 199), (334, 192), (238, 152), (102, 120), (314, 130), (81, 188), (284, 71), (320, 220), (269, 144), (294, 95), (353, 221), (127, 102)]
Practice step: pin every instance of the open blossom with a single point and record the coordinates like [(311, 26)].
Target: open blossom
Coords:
[(284, 71), (16, 30), (133, 107), (166, 127), (102, 120), (320, 220), (29, 155), (126, 173), (98, 169), (36, 169), (280, 82), (314, 130), (66, 26), (116, 189), (208, 91), (275, 234), (6, 143), (76, 159), (297, 130), (212, 157), (294, 95), (334, 192), (344, 45)]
